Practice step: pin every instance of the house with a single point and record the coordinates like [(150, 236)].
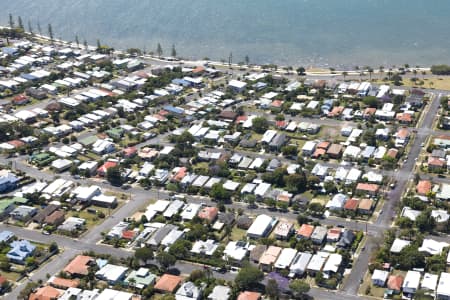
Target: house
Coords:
[(337, 202), (436, 164), (220, 292), (429, 283), (111, 273), (443, 287), (335, 151), (168, 283), (398, 245), (284, 230), (188, 291), (56, 218), (8, 181), (236, 251), (351, 204), (432, 247), (257, 252), (63, 283), (6, 236), (20, 250), (346, 240), (190, 211), (319, 234), (237, 86), (299, 264), (207, 247), (317, 262), (379, 277), (411, 283), (79, 266), (305, 231), (208, 214), (247, 295), (365, 206), (332, 265), (101, 171), (262, 226), (423, 187), (277, 142), (285, 258), (308, 148), (334, 234), (368, 188), (23, 213), (395, 283), (45, 293), (140, 278), (268, 258)]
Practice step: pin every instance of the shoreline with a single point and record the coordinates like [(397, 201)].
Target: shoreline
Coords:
[(281, 69)]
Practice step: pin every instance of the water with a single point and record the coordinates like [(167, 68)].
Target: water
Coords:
[(294, 32)]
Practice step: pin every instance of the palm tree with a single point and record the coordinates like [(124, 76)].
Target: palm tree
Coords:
[(30, 28), (344, 74), (370, 71), (77, 41), (174, 51), (50, 32), (159, 50), (415, 72), (423, 75)]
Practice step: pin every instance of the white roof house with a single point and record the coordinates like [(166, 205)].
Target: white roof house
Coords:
[(159, 205), (333, 263), (108, 294), (317, 261), (262, 189), (268, 136), (398, 245), (351, 152), (220, 292), (190, 211), (86, 193), (353, 175), (411, 282), (285, 258), (174, 207), (429, 282), (111, 273), (236, 250), (410, 213), (207, 247), (262, 226), (432, 247), (299, 264), (379, 277), (443, 288), (337, 202), (172, 237), (308, 147)]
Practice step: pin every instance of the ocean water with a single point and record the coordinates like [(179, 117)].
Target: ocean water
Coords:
[(286, 32)]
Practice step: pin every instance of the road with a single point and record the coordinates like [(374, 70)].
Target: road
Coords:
[(403, 176)]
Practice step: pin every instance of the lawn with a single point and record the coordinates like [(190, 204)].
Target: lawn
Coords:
[(92, 219), (367, 286), (237, 234), (322, 199), (11, 276)]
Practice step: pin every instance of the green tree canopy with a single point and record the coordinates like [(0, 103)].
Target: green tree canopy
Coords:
[(248, 277)]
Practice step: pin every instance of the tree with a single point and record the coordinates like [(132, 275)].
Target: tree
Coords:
[(260, 124), (30, 28), (248, 277), (11, 21), (180, 249), (425, 222), (159, 50), (20, 23), (299, 288), (344, 74), (295, 183), (39, 28), (99, 45), (272, 289), (77, 41), (289, 150), (53, 248), (230, 58), (114, 175), (218, 192), (247, 60), (166, 259), (301, 71), (50, 32), (144, 254), (174, 51), (316, 208), (370, 71), (371, 101)]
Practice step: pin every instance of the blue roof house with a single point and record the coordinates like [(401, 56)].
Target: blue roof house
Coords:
[(20, 250)]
